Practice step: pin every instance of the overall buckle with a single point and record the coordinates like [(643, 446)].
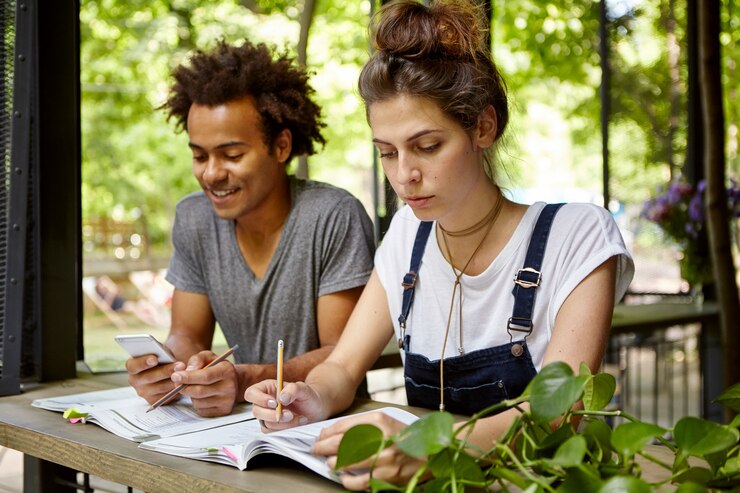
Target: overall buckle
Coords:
[(409, 280), (527, 283)]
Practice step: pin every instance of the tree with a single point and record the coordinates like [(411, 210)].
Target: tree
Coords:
[(309, 7), (714, 170), (134, 165)]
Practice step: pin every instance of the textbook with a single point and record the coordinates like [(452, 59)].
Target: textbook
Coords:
[(122, 412), (236, 444)]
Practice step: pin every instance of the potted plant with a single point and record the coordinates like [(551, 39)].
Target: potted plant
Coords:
[(679, 212), (536, 455)]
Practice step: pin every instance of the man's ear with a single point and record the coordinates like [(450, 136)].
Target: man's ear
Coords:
[(486, 129), (283, 145)]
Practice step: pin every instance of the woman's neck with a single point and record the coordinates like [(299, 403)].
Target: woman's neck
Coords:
[(473, 210), (469, 247)]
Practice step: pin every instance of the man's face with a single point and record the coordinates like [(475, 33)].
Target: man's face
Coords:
[(232, 163)]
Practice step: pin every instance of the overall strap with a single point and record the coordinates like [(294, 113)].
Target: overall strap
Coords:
[(528, 278), (409, 280)]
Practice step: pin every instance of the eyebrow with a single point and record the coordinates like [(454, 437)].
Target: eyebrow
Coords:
[(415, 136), (220, 146)]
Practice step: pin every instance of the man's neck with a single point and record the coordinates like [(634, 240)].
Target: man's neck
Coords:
[(258, 233), (269, 217)]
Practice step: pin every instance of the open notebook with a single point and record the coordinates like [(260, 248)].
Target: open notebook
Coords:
[(123, 413), (236, 444)]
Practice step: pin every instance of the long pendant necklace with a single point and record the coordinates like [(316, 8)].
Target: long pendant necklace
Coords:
[(488, 221)]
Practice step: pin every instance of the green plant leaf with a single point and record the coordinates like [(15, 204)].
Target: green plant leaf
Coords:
[(600, 433), (730, 398), (628, 438), (735, 423), (508, 475), (439, 485), (700, 475), (699, 437), (690, 487), (731, 483), (571, 452), (359, 443), (599, 391), (441, 463), (730, 467), (380, 485), (716, 460), (625, 484), (428, 435), (466, 467), (554, 390), (580, 479), (550, 443)]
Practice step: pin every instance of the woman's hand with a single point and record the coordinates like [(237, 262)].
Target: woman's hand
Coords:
[(300, 404), (391, 465)]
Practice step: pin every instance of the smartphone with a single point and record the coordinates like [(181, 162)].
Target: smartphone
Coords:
[(142, 344)]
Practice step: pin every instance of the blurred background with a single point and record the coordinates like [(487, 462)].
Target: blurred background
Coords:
[(136, 168)]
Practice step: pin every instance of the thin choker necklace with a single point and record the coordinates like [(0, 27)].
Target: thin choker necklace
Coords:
[(490, 217), (489, 220)]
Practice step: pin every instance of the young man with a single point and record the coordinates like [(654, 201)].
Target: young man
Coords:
[(265, 255)]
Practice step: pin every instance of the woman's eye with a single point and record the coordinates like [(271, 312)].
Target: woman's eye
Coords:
[(388, 154), (234, 157), (199, 158), (430, 148)]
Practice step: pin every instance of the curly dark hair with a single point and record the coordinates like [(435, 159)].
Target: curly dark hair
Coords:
[(279, 88)]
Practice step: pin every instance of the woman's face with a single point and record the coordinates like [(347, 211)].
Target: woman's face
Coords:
[(433, 164)]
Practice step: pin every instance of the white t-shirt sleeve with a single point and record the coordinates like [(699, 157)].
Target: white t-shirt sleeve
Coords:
[(583, 237)]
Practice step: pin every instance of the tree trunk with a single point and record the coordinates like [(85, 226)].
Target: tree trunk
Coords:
[(718, 220), (674, 53), (309, 7)]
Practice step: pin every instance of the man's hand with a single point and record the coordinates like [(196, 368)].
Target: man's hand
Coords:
[(214, 390), (151, 381)]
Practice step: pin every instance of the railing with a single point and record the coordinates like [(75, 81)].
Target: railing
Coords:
[(658, 374), (665, 357)]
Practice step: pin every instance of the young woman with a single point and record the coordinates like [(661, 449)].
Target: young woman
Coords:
[(480, 292)]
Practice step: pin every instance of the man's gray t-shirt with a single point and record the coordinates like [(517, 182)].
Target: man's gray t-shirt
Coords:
[(326, 246)]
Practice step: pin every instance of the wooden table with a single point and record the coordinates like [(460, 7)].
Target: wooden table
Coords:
[(89, 448), (45, 435)]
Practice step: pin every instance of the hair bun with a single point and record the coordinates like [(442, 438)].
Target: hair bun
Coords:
[(410, 30)]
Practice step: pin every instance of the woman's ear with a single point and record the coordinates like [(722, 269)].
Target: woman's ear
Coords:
[(283, 145), (486, 129)]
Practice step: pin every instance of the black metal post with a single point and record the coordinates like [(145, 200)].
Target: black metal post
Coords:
[(692, 168), (59, 200)]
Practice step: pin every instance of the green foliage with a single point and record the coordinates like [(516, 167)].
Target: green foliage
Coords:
[(360, 442), (133, 161), (548, 51), (535, 454)]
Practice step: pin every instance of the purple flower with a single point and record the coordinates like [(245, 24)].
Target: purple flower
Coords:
[(679, 209), (695, 208)]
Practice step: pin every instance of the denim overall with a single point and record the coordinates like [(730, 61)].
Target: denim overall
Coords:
[(482, 378)]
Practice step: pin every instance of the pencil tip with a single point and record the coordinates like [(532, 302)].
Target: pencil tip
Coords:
[(150, 409)]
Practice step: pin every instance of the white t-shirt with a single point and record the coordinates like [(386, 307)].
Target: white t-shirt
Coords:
[(583, 236)]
